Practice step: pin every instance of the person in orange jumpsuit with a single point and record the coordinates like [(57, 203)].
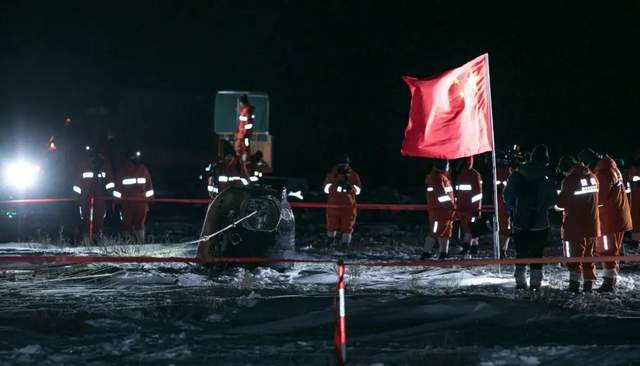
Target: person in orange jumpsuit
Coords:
[(441, 207), (468, 203), (226, 172), (633, 179), (257, 166), (578, 199), (94, 180), (244, 128), (342, 184), (133, 181), (615, 216)]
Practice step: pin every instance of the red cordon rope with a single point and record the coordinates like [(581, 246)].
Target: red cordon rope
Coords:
[(375, 206), (78, 259), (81, 259), (40, 200), (491, 261), (206, 201)]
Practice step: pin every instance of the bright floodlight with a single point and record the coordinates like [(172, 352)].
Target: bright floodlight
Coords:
[(21, 174)]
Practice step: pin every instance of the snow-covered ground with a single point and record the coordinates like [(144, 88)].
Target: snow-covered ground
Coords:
[(182, 314)]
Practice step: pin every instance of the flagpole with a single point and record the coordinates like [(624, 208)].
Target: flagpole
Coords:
[(496, 226)]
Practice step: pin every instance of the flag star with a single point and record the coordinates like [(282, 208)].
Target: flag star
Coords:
[(473, 80)]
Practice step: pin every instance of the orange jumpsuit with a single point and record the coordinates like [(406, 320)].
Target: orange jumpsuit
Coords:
[(244, 129), (502, 175), (633, 180), (580, 223), (342, 191), (468, 196), (133, 181), (228, 172), (440, 204), (94, 179), (257, 168), (615, 216)]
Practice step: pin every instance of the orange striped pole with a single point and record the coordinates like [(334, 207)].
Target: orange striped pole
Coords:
[(340, 335)]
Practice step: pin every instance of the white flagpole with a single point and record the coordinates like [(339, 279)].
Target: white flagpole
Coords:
[(496, 226)]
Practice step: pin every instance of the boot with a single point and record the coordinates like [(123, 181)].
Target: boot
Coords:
[(331, 239), (443, 255), (139, 236), (574, 286), (429, 245), (587, 287), (346, 239), (426, 256), (608, 285), (535, 279), (443, 245), (465, 249), (474, 250), (466, 244), (521, 279)]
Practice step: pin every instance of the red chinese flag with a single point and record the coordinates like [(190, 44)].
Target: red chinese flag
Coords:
[(450, 113)]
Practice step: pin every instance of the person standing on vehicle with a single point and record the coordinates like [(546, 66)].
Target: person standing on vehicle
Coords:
[(530, 193), (244, 128), (94, 182), (468, 203), (615, 216), (133, 187), (578, 200), (342, 185), (441, 208)]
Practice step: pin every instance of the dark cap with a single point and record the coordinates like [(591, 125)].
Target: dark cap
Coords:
[(588, 157), (540, 154), (566, 163)]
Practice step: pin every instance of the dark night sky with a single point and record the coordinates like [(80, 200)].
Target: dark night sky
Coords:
[(563, 74)]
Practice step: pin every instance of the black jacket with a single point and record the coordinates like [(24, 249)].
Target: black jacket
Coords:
[(530, 193)]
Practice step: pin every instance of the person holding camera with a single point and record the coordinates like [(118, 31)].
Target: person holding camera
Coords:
[(530, 193), (342, 185)]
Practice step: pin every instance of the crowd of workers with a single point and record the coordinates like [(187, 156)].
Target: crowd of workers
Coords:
[(101, 188), (129, 185), (593, 198), (599, 203)]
